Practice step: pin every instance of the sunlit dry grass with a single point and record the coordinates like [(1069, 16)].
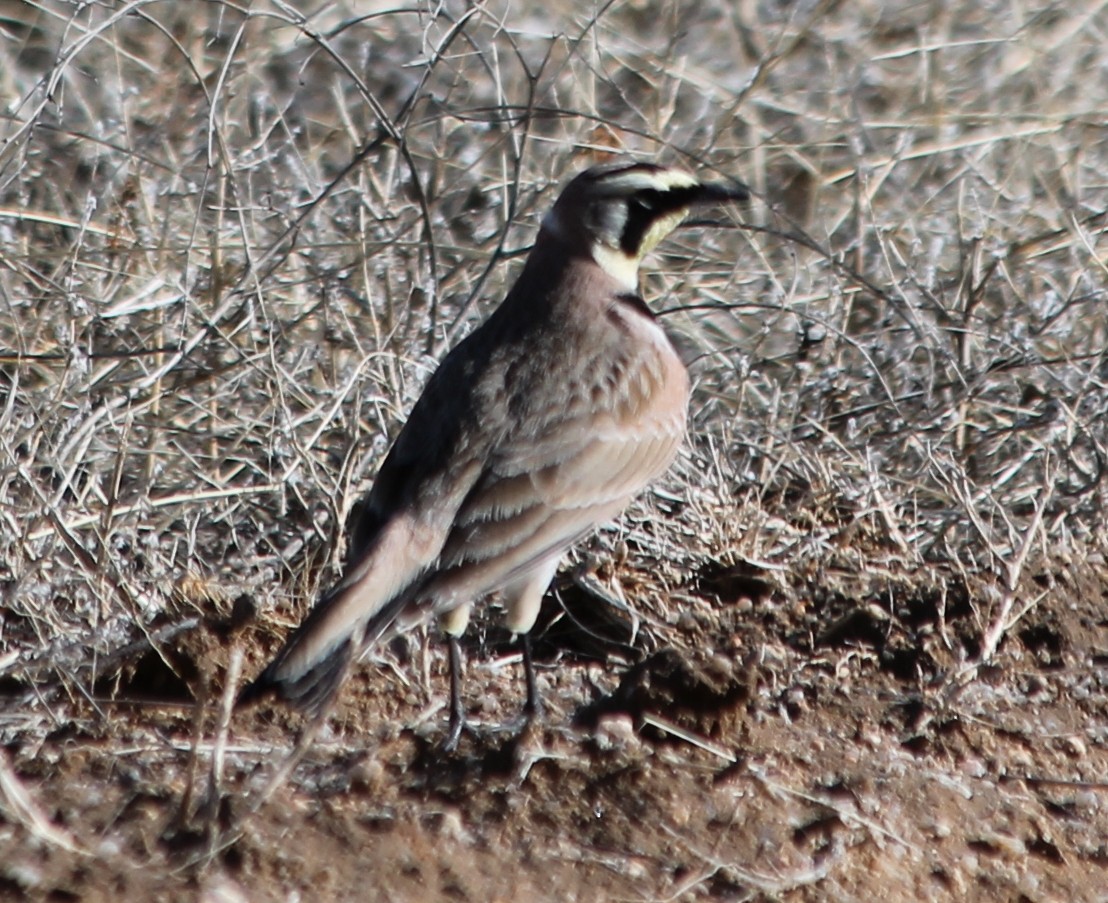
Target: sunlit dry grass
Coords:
[(234, 240)]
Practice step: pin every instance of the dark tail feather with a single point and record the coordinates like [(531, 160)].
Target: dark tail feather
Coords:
[(315, 689), (311, 692)]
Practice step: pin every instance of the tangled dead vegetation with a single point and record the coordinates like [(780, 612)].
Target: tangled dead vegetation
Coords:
[(857, 639)]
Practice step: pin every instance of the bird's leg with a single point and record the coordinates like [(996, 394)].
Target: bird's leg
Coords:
[(453, 624), (522, 602), (457, 713), (532, 708)]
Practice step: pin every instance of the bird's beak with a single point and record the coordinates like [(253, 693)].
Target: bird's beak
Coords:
[(715, 193), (722, 192)]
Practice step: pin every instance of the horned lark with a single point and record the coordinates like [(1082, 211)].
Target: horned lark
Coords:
[(543, 423)]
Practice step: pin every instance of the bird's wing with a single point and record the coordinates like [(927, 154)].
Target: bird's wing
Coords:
[(539, 496), (425, 477)]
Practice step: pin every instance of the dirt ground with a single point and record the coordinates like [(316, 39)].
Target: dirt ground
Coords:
[(803, 749)]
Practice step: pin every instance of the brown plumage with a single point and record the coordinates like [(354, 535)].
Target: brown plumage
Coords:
[(543, 423)]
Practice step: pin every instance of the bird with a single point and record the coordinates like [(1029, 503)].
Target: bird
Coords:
[(543, 423)]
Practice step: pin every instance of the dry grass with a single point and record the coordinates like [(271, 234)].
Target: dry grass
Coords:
[(235, 239)]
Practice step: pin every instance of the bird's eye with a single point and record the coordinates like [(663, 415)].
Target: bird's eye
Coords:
[(643, 203)]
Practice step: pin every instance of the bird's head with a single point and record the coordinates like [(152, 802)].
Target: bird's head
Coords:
[(619, 212)]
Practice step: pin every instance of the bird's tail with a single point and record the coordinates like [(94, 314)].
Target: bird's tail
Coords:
[(307, 677), (312, 691)]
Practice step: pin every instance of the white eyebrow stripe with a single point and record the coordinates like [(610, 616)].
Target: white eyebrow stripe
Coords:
[(659, 180)]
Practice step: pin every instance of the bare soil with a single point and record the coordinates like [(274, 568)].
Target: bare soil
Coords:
[(813, 749)]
